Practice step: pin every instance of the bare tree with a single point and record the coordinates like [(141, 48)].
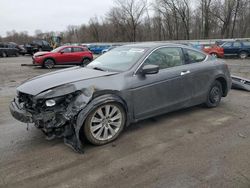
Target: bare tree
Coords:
[(205, 6), (132, 12), (237, 4)]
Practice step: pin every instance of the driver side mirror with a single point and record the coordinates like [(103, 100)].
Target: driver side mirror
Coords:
[(150, 69), (61, 52)]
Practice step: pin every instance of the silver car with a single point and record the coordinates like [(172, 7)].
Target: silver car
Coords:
[(122, 86)]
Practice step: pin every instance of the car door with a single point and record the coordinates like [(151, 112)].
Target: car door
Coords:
[(46, 46), (236, 47), (11, 50), (64, 56), (201, 70), (78, 54), (228, 48), (165, 91)]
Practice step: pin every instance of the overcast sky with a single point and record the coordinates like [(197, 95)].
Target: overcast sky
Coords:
[(48, 15)]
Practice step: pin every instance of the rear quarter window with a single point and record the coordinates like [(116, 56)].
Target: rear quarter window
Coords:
[(246, 43), (78, 49), (194, 56), (236, 44)]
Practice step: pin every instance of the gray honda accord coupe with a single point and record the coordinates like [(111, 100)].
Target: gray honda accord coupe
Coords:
[(125, 85)]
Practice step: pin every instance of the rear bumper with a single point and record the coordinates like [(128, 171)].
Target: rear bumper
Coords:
[(20, 114), (220, 55)]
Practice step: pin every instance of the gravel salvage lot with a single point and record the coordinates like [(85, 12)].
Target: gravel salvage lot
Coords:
[(195, 147)]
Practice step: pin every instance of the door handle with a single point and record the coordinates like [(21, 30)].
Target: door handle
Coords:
[(185, 72)]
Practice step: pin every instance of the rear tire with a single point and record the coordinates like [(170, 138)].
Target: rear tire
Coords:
[(243, 55), (85, 62), (49, 63), (214, 95), (105, 123)]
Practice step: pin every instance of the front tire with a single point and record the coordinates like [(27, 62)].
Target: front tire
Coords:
[(49, 63), (105, 123), (214, 95)]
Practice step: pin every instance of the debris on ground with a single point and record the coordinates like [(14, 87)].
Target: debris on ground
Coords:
[(241, 135), (240, 83)]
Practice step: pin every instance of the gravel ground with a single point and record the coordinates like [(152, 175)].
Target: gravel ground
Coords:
[(195, 147)]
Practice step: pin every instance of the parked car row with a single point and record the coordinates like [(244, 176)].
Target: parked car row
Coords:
[(222, 49), (11, 49)]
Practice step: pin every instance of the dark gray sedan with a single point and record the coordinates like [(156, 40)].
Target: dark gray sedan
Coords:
[(125, 85)]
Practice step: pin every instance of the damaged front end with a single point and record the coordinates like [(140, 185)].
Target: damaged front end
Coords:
[(54, 111)]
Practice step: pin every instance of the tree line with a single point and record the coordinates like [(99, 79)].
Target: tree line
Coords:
[(140, 20)]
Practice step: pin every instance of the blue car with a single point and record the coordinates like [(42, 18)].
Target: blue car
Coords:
[(237, 48), (97, 49)]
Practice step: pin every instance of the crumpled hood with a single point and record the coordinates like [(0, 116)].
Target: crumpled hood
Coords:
[(40, 53), (44, 82)]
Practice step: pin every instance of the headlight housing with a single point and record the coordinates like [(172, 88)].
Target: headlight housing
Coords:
[(50, 102), (56, 101)]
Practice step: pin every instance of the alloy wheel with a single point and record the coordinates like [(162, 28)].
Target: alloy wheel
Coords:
[(106, 122), (49, 64)]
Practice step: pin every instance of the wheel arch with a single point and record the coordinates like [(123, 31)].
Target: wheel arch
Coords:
[(224, 85), (86, 57), (99, 98), (46, 58), (244, 51)]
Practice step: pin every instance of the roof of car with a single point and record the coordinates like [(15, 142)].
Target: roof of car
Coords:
[(154, 44), (72, 46)]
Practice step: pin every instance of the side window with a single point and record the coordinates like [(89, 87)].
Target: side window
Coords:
[(45, 43), (237, 44), (228, 44), (166, 57), (194, 56), (246, 43), (77, 49), (66, 50)]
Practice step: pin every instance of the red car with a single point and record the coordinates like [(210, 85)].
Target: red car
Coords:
[(64, 55), (214, 50)]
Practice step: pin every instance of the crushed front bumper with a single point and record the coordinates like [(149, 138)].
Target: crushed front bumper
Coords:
[(20, 114)]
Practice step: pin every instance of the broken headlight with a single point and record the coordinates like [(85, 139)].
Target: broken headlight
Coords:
[(50, 103)]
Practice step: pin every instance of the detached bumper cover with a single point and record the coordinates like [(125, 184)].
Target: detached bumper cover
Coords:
[(240, 83), (19, 113)]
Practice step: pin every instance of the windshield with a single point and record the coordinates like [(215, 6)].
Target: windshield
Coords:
[(58, 49), (119, 59)]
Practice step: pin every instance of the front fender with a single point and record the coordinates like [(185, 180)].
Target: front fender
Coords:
[(83, 114), (95, 103)]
